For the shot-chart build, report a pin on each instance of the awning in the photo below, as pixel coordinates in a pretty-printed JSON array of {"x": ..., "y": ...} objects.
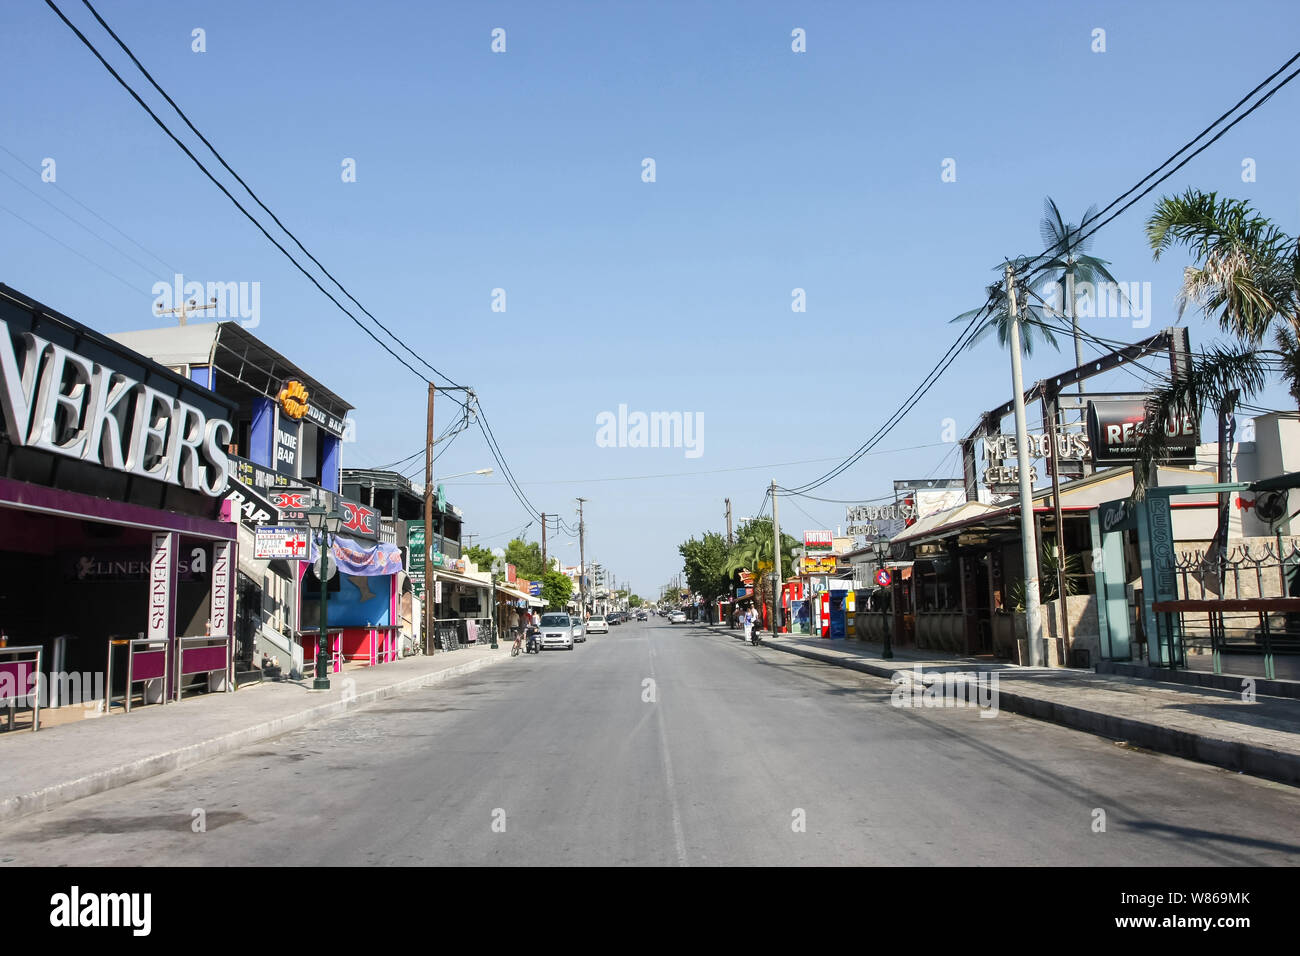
[
  {"x": 512, "y": 593},
  {"x": 455, "y": 578},
  {"x": 535, "y": 601}
]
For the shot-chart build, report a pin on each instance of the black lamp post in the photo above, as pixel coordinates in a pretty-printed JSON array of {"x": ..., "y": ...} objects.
[
  {"x": 882, "y": 552},
  {"x": 326, "y": 524}
]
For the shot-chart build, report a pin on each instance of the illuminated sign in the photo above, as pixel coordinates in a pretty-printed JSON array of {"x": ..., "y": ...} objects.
[{"x": 293, "y": 399}]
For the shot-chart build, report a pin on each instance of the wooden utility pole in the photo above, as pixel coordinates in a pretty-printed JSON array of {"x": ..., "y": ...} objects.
[
  {"x": 543, "y": 544},
  {"x": 429, "y": 644},
  {"x": 582, "y": 560}
]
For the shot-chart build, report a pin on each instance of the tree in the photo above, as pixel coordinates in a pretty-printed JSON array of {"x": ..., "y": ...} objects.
[
  {"x": 996, "y": 311},
  {"x": 1246, "y": 276},
  {"x": 706, "y": 565},
  {"x": 557, "y": 588},
  {"x": 635, "y": 601},
  {"x": 526, "y": 556},
  {"x": 480, "y": 556},
  {"x": 1070, "y": 263},
  {"x": 753, "y": 551}
]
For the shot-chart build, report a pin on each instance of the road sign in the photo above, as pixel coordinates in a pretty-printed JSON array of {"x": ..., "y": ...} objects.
[
  {"x": 280, "y": 541},
  {"x": 884, "y": 578}
]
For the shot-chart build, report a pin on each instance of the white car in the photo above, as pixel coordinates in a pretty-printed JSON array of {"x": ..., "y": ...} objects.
[
  {"x": 677, "y": 617},
  {"x": 598, "y": 625},
  {"x": 557, "y": 631}
]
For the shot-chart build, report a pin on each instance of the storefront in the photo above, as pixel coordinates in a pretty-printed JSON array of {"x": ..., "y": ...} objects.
[
  {"x": 112, "y": 475},
  {"x": 362, "y": 597}
]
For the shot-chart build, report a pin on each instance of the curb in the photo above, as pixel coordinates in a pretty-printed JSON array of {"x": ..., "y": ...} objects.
[
  {"x": 47, "y": 798},
  {"x": 1228, "y": 754}
]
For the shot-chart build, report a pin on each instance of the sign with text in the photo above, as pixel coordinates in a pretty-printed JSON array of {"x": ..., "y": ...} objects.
[
  {"x": 281, "y": 542},
  {"x": 818, "y": 540},
  {"x": 223, "y": 580},
  {"x": 1116, "y": 427},
  {"x": 160, "y": 586}
]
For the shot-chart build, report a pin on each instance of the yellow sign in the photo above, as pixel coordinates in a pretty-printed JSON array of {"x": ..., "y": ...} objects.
[
  {"x": 822, "y": 564},
  {"x": 293, "y": 399}
]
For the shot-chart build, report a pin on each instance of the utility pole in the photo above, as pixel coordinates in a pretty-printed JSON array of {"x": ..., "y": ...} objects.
[
  {"x": 776, "y": 564},
  {"x": 729, "y": 540},
  {"x": 429, "y": 644},
  {"x": 543, "y": 543},
  {"x": 582, "y": 560},
  {"x": 1028, "y": 537},
  {"x": 183, "y": 310}
]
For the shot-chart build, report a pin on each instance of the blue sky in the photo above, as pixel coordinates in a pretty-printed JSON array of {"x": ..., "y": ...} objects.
[{"x": 522, "y": 171}]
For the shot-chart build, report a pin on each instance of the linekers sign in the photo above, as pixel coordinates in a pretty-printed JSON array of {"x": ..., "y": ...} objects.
[{"x": 55, "y": 400}]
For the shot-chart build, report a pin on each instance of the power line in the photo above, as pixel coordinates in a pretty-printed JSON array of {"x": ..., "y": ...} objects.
[
  {"x": 75, "y": 252},
  {"x": 262, "y": 229},
  {"x": 146, "y": 251},
  {"x": 221, "y": 159}
]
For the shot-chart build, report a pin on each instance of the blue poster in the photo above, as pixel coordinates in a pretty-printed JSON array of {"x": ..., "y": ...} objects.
[{"x": 838, "y": 617}]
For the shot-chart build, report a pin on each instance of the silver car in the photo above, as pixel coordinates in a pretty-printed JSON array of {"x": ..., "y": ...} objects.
[
  {"x": 557, "y": 631},
  {"x": 579, "y": 629}
]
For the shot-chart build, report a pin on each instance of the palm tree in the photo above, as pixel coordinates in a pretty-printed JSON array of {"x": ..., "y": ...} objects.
[
  {"x": 753, "y": 549},
  {"x": 996, "y": 311},
  {"x": 1247, "y": 274},
  {"x": 1247, "y": 277},
  {"x": 1070, "y": 263}
]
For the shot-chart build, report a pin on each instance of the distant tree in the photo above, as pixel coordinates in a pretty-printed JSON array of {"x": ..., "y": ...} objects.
[
  {"x": 526, "y": 556},
  {"x": 480, "y": 556},
  {"x": 706, "y": 565},
  {"x": 557, "y": 588}
]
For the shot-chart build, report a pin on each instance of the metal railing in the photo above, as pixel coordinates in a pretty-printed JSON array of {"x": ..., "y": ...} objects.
[
  {"x": 20, "y": 680},
  {"x": 1258, "y": 626},
  {"x": 146, "y": 661}
]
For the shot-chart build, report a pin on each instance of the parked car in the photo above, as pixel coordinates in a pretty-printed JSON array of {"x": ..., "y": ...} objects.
[
  {"x": 598, "y": 625},
  {"x": 613, "y": 618},
  {"x": 579, "y": 629},
  {"x": 677, "y": 617},
  {"x": 642, "y": 616},
  {"x": 557, "y": 631}
]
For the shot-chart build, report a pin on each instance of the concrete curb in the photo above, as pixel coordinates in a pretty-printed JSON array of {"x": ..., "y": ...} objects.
[
  {"x": 48, "y": 798},
  {"x": 1228, "y": 754}
]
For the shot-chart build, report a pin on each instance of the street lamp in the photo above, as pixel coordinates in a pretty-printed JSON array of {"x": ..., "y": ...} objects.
[
  {"x": 498, "y": 570},
  {"x": 326, "y": 524},
  {"x": 882, "y": 552},
  {"x": 464, "y": 474}
]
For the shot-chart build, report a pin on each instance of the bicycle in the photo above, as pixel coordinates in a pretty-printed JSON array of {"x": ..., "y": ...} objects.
[{"x": 519, "y": 642}]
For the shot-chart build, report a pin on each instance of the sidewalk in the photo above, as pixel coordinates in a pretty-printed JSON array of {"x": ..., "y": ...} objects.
[
  {"x": 54, "y": 766},
  {"x": 1210, "y": 724}
]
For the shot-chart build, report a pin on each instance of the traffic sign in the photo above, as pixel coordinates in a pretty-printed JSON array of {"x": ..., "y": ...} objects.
[{"x": 884, "y": 578}]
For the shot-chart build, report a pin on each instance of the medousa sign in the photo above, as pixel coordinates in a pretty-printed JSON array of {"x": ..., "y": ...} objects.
[{"x": 55, "y": 400}]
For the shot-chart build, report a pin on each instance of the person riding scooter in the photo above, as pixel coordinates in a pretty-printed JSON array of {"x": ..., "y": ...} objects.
[{"x": 533, "y": 639}]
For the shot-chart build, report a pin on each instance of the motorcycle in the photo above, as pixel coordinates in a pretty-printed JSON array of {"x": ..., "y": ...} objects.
[{"x": 533, "y": 640}]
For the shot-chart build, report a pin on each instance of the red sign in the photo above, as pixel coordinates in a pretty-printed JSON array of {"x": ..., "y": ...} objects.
[
  {"x": 359, "y": 518},
  {"x": 818, "y": 540},
  {"x": 290, "y": 499},
  {"x": 884, "y": 578}
]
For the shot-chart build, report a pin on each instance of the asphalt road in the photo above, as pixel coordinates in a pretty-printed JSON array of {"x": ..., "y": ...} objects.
[{"x": 563, "y": 759}]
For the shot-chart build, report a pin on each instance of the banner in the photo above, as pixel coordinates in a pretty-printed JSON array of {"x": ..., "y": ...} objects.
[
  {"x": 362, "y": 560},
  {"x": 821, "y": 564}
]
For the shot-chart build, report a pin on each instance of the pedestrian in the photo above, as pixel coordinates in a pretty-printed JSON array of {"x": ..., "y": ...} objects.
[{"x": 749, "y": 625}]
